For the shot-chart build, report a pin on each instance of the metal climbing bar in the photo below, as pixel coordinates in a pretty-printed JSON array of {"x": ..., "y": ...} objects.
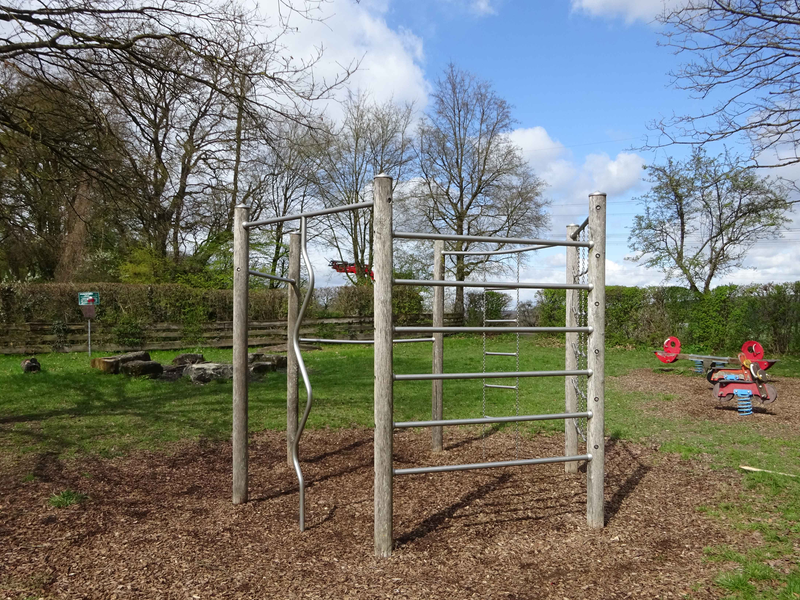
[
  {"x": 482, "y": 420},
  {"x": 365, "y": 342},
  {"x": 501, "y": 354},
  {"x": 427, "y": 329},
  {"x": 492, "y": 375},
  {"x": 574, "y": 235},
  {"x": 311, "y": 213},
  {"x": 273, "y": 277},
  {"x": 501, "y": 285},
  {"x": 500, "y": 387},
  {"x": 407, "y": 235},
  {"x": 495, "y": 252},
  {"x": 492, "y": 465}
]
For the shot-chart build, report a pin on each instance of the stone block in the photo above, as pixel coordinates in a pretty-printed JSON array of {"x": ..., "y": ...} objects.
[
  {"x": 207, "y": 372},
  {"x": 188, "y": 359}
]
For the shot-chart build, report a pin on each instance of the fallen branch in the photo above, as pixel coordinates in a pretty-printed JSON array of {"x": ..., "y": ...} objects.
[{"x": 746, "y": 468}]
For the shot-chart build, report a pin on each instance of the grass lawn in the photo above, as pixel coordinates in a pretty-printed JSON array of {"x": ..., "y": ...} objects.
[{"x": 70, "y": 409}]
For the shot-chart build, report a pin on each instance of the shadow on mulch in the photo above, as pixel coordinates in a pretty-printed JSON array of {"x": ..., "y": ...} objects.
[{"x": 160, "y": 525}]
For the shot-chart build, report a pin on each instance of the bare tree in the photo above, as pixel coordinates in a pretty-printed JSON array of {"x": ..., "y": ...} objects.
[
  {"x": 372, "y": 138},
  {"x": 474, "y": 180},
  {"x": 744, "y": 57},
  {"x": 703, "y": 215}
]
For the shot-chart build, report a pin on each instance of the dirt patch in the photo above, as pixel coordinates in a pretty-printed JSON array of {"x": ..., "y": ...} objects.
[
  {"x": 161, "y": 525},
  {"x": 690, "y": 396}
]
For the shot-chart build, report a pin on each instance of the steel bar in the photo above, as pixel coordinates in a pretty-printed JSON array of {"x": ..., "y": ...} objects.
[
  {"x": 580, "y": 228},
  {"x": 500, "y": 285},
  {"x": 500, "y": 321},
  {"x": 311, "y": 213},
  {"x": 274, "y": 277},
  {"x": 500, "y": 387},
  {"x": 365, "y": 342},
  {"x": 492, "y": 465},
  {"x": 491, "y": 375},
  {"x": 427, "y": 329},
  {"x": 407, "y": 235},
  {"x": 501, "y": 354},
  {"x": 301, "y": 364},
  {"x": 483, "y": 420},
  {"x": 437, "y": 355},
  {"x": 495, "y": 252}
]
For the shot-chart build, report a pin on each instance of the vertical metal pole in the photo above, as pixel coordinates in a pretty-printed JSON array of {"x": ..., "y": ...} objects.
[
  {"x": 571, "y": 360},
  {"x": 438, "y": 345},
  {"x": 241, "y": 262},
  {"x": 90, "y": 338},
  {"x": 292, "y": 393},
  {"x": 383, "y": 394},
  {"x": 595, "y": 441}
]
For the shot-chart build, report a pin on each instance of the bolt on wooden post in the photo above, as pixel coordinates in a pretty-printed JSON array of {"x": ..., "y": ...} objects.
[
  {"x": 595, "y": 427},
  {"x": 383, "y": 269},
  {"x": 292, "y": 391},
  {"x": 571, "y": 360},
  {"x": 241, "y": 273}
]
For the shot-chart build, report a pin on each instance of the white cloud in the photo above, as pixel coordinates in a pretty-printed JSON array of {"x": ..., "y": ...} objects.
[{"x": 629, "y": 10}]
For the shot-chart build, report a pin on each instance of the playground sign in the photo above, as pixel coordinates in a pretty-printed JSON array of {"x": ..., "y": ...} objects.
[{"x": 88, "y": 298}]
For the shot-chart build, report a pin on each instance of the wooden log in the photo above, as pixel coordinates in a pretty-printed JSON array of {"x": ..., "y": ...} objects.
[
  {"x": 241, "y": 265},
  {"x": 571, "y": 360},
  {"x": 292, "y": 390}
]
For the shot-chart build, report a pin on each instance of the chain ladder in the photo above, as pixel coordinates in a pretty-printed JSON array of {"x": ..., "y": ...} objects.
[{"x": 581, "y": 313}]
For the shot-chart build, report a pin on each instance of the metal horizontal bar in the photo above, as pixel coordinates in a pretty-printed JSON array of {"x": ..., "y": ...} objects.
[
  {"x": 491, "y": 465},
  {"x": 495, "y": 252},
  {"x": 268, "y": 276},
  {"x": 424, "y": 329},
  {"x": 481, "y": 421},
  {"x": 583, "y": 225},
  {"x": 500, "y": 353},
  {"x": 490, "y": 375},
  {"x": 311, "y": 213},
  {"x": 500, "y": 285},
  {"x": 328, "y": 341},
  {"x": 500, "y": 387},
  {"x": 500, "y": 321},
  {"x": 407, "y": 235}
]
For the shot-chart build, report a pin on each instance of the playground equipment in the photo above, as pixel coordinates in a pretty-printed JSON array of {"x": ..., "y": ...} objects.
[
  {"x": 744, "y": 383},
  {"x": 589, "y": 284},
  {"x": 341, "y": 266}
]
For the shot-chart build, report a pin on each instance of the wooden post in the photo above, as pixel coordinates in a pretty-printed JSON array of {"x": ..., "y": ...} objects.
[
  {"x": 438, "y": 346},
  {"x": 241, "y": 268},
  {"x": 595, "y": 440},
  {"x": 384, "y": 427},
  {"x": 571, "y": 360},
  {"x": 292, "y": 394}
]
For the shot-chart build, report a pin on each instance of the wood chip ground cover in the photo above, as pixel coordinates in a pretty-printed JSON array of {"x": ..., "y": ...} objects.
[{"x": 161, "y": 524}]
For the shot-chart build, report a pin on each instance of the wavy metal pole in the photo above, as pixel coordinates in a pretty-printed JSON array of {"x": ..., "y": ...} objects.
[{"x": 301, "y": 365}]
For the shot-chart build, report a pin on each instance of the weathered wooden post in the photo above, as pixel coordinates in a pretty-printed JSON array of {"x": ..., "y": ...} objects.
[
  {"x": 571, "y": 362},
  {"x": 292, "y": 393},
  {"x": 383, "y": 269},
  {"x": 241, "y": 272},
  {"x": 595, "y": 441},
  {"x": 438, "y": 346}
]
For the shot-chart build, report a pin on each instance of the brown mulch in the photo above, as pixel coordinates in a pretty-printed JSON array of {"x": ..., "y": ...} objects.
[
  {"x": 161, "y": 524},
  {"x": 691, "y": 396}
]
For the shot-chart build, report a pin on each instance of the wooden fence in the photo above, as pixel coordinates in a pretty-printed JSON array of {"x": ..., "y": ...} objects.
[{"x": 42, "y": 337}]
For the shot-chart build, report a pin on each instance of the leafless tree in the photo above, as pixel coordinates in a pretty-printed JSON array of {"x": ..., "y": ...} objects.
[
  {"x": 372, "y": 138},
  {"x": 474, "y": 180},
  {"x": 744, "y": 57},
  {"x": 703, "y": 215}
]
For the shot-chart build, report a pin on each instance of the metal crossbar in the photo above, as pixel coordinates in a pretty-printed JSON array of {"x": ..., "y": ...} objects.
[
  {"x": 407, "y": 235},
  {"x": 426, "y": 329},
  {"x": 495, "y": 252},
  {"x": 500, "y": 321},
  {"x": 500, "y": 285},
  {"x": 493, "y": 375},
  {"x": 481, "y": 421},
  {"x": 269, "y": 276},
  {"x": 331, "y": 341},
  {"x": 311, "y": 213},
  {"x": 580, "y": 229},
  {"x": 491, "y": 465},
  {"x": 500, "y": 387},
  {"x": 501, "y": 354}
]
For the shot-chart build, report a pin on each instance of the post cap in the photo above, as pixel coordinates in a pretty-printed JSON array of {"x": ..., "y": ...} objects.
[
  {"x": 598, "y": 194},
  {"x": 383, "y": 175}
]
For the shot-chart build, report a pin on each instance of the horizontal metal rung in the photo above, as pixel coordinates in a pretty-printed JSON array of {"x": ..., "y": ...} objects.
[
  {"x": 481, "y": 421},
  {"x": 492, "y": 375},
  {"x": 500, "y": 387},
  {"x": 500, "y": 321},
  {"x": 492, "y": 465},
  {"x": 312, "y": 213},
  {"x": 499, "y": 285},
  {"x": 406, "y": 235},
  {"x": 423, "y": 329},
  {"x": 270, "y": 276},
  {"x": 365, "y": 342},
  {"x": 501, "y": 354}
]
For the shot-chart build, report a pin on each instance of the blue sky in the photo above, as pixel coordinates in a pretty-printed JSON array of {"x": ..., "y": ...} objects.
[{"x": 585, "y": 78}]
